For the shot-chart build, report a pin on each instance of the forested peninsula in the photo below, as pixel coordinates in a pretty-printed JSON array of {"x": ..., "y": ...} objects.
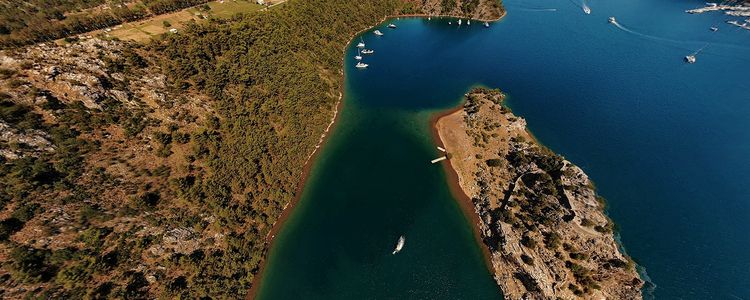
[{"x": 157, "y": 170}]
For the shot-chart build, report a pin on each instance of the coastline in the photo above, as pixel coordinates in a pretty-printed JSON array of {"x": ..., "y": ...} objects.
[
  {"x": 464, "y": 201},
  {"x": 539, "y": 280},
  {"x": 312, "y": 158}
]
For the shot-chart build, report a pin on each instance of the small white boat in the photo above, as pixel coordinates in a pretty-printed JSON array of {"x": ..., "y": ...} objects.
[
  {"x": 612, "y": 20},
  {"x": 468, "y": 22},
  {"x": 587, "y": 10},
  {"x": 359, "y": 56},
  {"x": 361, "y": 44},
  {"x": 450, "y": 23},
  {"x": 361, "y": 65},
  {"x": 391, "y": 25},
  {"x": 486, "y": 24},
  {"x": 367, "y": 51},
  {"x": 399, "y": 245},
  {"x": 459, "y": 22},
  {"x": 690, "y": 59},
  {"x": 378, "y": 33},
  {"x": 714, "y": 28}
]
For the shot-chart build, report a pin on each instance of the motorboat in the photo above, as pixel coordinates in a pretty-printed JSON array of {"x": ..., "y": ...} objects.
[
  {"x": 378, "y": 33},
  {"x": 690, "y": 59},
  {"x": 361, "y": 65},
  {"x": 368, "y": 51},
  {"x": 612, "y": 20},
  {"x": 391, "y": 25},
  {"x": 399, "y": 245}
]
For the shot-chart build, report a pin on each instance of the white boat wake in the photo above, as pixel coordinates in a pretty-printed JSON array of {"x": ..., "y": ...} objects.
[
  {"x": 675, "y": 43},
  {"x": 540, "y": 9}
]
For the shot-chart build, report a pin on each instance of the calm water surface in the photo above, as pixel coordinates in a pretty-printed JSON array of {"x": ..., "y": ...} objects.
[{"x": 666, "y": 142}]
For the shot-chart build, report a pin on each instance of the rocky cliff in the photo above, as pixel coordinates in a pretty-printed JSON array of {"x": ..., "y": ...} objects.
[
  {"x": 475, "y": 9},
  {"x": 540, "y": 215}
]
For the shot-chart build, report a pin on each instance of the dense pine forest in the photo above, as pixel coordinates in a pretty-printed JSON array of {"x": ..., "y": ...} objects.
[{"x": 157, "y": 171}]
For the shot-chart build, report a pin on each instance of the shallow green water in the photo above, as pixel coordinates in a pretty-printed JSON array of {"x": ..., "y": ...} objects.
[{"x": 373, "y": 183}]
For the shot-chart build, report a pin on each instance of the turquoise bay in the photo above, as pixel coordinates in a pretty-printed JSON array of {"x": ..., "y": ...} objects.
[{"x": 666, "y": 142}]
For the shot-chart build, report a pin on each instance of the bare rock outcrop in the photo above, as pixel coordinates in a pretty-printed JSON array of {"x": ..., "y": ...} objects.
[{"x": 540, "y": 216}]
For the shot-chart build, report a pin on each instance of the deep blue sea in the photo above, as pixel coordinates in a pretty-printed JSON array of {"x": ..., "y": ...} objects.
[{"x": 667, "y": 144}]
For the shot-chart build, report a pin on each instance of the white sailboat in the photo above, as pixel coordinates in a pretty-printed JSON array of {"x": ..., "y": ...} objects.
[
  {"x": 399, "y": 245},
  {"x": 459, "y": 22},
  {"x": 486, "y": 24},
  {"x": 361, "y": 44},
  {"x": 468, "y": 22},
  {"x": 359, "y": 56}
]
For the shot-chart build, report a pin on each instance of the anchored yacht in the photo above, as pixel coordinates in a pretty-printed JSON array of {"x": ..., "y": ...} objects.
[
  {"x": 361, "y": 44},
  {"x": 367, "y": 51},
  {"x": 359, "y": 56},
  {"x": 399, "y": 245},
  {"x": 361, "y": 65},
  {"x": 486, "y": 24},
  {"x": 378, "y": 33},
  {"x": 459, "y": 22},
  {"x": 391, "y": 25},
  {"x": 690, "y": 59}
]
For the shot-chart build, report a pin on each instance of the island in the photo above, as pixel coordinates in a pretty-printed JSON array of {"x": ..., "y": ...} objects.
[{"x": 539, "y": 215}]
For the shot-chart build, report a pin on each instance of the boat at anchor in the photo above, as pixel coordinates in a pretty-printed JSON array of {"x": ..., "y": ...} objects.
[{"x": 399, "y": 245}]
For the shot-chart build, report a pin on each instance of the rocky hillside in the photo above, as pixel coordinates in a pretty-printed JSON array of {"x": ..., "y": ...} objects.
[
  {"x": 476, "y": 9},
  {"x": 540, "y": 216},
  {"x": 93, "y": 139}
]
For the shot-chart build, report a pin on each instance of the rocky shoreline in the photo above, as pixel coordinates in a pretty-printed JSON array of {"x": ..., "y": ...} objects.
[{"x": 540, "y": 217}]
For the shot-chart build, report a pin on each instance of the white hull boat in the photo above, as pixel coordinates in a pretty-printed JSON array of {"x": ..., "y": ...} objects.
[{"x": 399, "y": 245}]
